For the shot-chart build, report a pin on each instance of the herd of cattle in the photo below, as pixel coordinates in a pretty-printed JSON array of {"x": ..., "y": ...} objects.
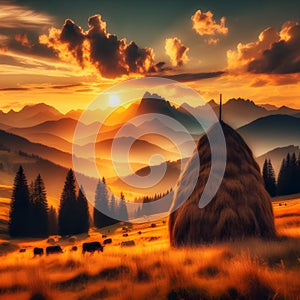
[{"x": 90, "y": 247}]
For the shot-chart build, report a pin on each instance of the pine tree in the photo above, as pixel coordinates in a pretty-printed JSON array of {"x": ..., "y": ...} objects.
[
  {"x": 66, "y": 217},
  {"x": 287, "y": 178},
  {"x": 282, "y": 178},
  {"x": 39, "y": 209},
  {"x": 272, "y": 180},
  {"x": 101, "y": 207},
  {"x": 269, "y": 178},
  {"x": 293, "y": 174},
  {"x": 83, "y": 212},
  {"x": 123, "y": 213},
  {"x": 19, "y": 217},
  {"x": 112, "y": 205},
  {"x": 53, "y": 222}
]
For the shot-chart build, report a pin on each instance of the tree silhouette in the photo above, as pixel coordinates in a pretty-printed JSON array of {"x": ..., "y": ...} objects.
[
  {"x": 288, "y": 178},
  {"x": 112, "y": 205},
  {"x": 101, "y": 207},
  {"x": 269, "y": 178},
  {"x": 19, "y": 217},
  {"x": 39, "y": 209},
  {"x": 83, "y": 212},
  {"x": 68, "y": 207},
  {"x": 123, "y": 213},
  {"x": 53, "y": 222}
]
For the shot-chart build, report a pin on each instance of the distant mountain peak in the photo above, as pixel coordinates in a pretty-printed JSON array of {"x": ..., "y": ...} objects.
[
  {"x": 148, "y": 95},
  {"x": 153, "y": 103},
  {"x": 241, "y": 101}
]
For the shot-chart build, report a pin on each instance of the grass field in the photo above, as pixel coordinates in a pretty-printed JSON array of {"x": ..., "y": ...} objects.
[{"x": 249, "y": 269}]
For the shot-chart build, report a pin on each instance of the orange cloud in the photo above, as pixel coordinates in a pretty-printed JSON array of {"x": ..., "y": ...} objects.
[
  {"x": 23, "y": 40},
  {"x": 100, "y": 50},
  {"x": 204, "y": 24},
  {"x": 273, "y": 52},
  {"x": 212, "y": 41},
  {"x": 176, "y": 51}
]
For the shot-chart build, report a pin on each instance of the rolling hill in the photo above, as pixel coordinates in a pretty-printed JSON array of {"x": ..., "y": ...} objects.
[
  {"x": 52, "y": 174},
  {"x": 267, "y": 133},
  {"x": 16, "y": 143}
]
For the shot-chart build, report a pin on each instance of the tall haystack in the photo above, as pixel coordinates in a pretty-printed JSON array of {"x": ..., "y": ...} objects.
[{"x": 241, "y": 207}]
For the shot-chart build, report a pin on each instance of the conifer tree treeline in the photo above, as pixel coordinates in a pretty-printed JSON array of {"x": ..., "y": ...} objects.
[
  {"x": 104, "y": 207},
  {"x": 29, "y": 208},
  {"x": 73, "y": 215},
  {"x": 288, "y": 181},
  {"x": 269, "y": 178},
  {"x": 31, "y": 217},
  {"x": 289, "y": 175}
]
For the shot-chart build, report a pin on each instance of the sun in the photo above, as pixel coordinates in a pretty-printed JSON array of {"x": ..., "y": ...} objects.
[{"x": 114, "y": 100}]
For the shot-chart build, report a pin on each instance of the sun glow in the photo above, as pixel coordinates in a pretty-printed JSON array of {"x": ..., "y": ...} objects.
[{"x": 114, "y": 100}]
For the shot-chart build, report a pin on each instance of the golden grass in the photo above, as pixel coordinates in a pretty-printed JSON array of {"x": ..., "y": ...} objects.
[{"x": 251, "y": 269}]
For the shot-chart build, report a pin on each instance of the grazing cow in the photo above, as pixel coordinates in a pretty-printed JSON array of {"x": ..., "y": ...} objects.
[
  {"x": 125, "y": 234},
  {"x": 139, "y": 232},
  {"x": 74, "y": 248},
  {"x": 104, "y": 236},
  {"x": 128, "y": 243},
  {"x": 38, "y": 251},
  {"x": 91, "y": 247},
  {"x": 107, "y": 241},
  {"x": 53, "y": 249},
  {"x": 153, "y": 225},
  {"x": 22, "y": 250},
  {"x": 124, "y": 228}
]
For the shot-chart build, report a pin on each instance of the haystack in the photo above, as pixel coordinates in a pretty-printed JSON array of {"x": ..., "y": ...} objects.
[{"x": 241, "y": 207}]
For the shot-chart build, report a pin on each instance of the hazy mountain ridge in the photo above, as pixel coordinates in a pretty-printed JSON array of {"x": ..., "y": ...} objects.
[{"x": 267, "y": 133}]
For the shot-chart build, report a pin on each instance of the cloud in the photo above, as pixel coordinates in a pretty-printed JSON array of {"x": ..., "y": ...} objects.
[
  {"x": 23, "y": 39},
  {"x": 212, "y": 41},
  {"x": 16, "y": 16},
  {"x": 204, "y": 24},
  {"x": 273, "y": 53},
  {"x": 95, "y": 48},
  {"x": 186, "y": 77},
  {"x": 176, "y": 51}
]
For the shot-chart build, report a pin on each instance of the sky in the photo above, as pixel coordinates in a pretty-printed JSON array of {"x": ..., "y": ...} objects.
[{"x": 64, "y": 53}]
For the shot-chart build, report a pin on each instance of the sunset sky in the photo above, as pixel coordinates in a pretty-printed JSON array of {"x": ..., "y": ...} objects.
[{"x": 66, "y": 52}]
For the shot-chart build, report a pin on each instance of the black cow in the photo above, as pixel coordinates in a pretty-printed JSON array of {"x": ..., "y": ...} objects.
[
  {"x": 38, "y": 251},
  {"x": 125, "y": 234},
  {"x": 22, "y": 250},
  {"x": 104, "y": 236},
  {"x": 74, "y": 248},
  {"x": 53, "y": 249},
  {"x": 92, "y": 247},
  {"x": 107, "y": 241},
  {"x": 139, "y": 232}
]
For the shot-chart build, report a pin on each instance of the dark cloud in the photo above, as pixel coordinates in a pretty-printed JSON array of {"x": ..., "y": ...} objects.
[
  {"x": 283, "y": 57},
  {"x": 112, "y": 57},
  {"x": 73, "y": 35},
  {"x": 273, "y": 53},
  {"x": 13, "y": 89},
  {"x": 185, "y": 77}
]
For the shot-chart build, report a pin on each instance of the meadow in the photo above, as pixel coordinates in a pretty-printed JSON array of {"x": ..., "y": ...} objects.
[{"x": 249, "y": 269}]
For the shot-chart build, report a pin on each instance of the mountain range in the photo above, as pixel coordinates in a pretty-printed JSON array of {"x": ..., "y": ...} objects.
[{"x": 46, "y": 133}]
